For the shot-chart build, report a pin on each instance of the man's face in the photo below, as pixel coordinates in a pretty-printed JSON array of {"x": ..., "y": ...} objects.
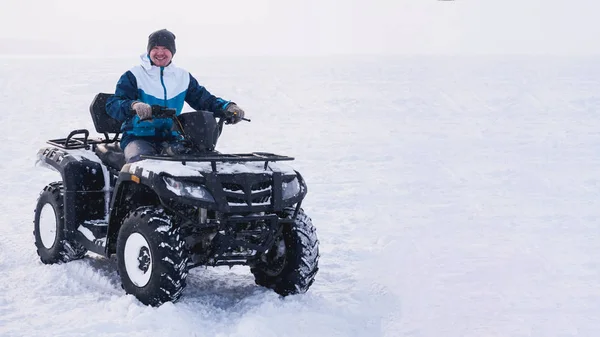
[{"x": 160, "y": 56}]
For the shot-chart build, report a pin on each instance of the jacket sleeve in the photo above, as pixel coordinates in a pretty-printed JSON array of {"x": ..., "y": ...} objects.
[
  {"x": 200, "y": 99},
  {"x": 118, "y": 105}
]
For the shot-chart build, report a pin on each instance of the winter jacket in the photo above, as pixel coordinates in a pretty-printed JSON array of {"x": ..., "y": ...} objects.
[{"x": 168, "y": 86}]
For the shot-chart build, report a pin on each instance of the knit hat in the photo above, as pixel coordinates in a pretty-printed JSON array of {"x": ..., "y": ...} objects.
[{"x": 162, "y": 38}]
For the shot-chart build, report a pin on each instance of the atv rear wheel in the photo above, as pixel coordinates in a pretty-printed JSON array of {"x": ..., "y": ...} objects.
[
  {"x": 49, "y": 230},
  {"x": 151, "y": 257},
  {"x": 290, "y": 266}
]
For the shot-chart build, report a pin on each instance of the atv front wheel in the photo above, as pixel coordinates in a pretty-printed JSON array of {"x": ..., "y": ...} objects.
[
  {"x": 152, "y": 262},
  {"x": 51, "y": 240},
  {"x": 290, "y": 266}
]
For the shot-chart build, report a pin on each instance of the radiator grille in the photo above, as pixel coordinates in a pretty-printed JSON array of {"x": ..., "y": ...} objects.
[{"x": 257, "y": 194}]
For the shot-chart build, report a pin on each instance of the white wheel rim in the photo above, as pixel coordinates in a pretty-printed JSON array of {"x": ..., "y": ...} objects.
[
  {"x": 47, "y": 226},
  {"x": 138, "y": 259}
]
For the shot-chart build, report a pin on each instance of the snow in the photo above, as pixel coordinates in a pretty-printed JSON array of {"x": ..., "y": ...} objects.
[
  {"x": 452, "y": 196},
  {"x": 195, "y": 169},
  {"x": 88, "y": 233},
  {"x": 158, "y": 166},
  {"x": 100, "y": 223}
]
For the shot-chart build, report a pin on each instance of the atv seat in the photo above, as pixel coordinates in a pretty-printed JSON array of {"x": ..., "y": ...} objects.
[
  {"x": 109, "y": 151},
  {"x": 111, "y": 155}
]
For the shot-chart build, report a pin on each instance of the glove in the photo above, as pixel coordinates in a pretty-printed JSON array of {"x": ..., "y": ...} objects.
[
  {"x": 143, "y": 110},
  {"x": 234, "y": 114}
]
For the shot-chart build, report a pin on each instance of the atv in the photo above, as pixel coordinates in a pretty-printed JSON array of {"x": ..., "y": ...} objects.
[{"x": 170, "y": 212}]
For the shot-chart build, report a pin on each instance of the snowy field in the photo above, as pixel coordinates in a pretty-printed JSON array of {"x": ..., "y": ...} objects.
[{"x": 452, "y": 197}]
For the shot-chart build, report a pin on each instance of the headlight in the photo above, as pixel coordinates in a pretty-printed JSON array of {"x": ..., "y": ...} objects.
[
  {"x": 290, "y": 189},
  {"x": 188, "y": 189}
]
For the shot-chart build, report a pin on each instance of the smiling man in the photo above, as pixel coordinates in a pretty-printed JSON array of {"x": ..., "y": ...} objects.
[{"x": 157, "y": 81}]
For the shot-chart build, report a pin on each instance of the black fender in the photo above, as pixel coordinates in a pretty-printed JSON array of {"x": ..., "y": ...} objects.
[
  {"x": 131, "y": 191},
  {"x": 83, "y": 182}
]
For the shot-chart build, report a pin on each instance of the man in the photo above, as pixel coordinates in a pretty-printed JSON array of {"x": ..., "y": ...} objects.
[{"x": 157, "y": 81}]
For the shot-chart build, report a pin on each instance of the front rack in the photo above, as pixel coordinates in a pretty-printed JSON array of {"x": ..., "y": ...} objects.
[{"x": 213, "y": 158}]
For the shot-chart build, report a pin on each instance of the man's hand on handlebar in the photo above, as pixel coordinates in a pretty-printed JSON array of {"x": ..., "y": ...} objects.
[
  {"x": 233, "y": 114},
  {"x": 143, "y": 110},
  {"x": 148, "y": 112}
]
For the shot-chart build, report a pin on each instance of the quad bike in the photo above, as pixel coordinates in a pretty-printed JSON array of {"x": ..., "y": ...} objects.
[{"x": 168, "y": 213}]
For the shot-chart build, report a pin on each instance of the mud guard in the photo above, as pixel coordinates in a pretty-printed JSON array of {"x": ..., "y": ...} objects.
[{"x": 84, "y": 188}]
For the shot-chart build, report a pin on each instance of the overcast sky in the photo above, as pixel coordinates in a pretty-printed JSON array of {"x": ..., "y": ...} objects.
[{"x": 321, "y": 27}]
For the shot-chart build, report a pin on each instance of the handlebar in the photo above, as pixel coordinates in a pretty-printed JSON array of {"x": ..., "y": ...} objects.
[
  {"x": 178, "y": 122},
  {"x": 158, "y": 112},
  {"x": 163, "y": 112},
  {"x": 230, "y": 117}
]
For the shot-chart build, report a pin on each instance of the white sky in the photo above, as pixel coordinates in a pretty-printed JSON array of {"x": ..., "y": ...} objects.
[{"x": 208, "y": 27}]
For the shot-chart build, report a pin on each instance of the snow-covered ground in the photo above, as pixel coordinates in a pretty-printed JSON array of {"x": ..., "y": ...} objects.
[{"x": 452, "y": 196}]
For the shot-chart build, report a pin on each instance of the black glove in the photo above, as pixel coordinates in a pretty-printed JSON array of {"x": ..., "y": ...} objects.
[
  {"x": 233, "y": 114},
  {"x": 143, "y": 110}
]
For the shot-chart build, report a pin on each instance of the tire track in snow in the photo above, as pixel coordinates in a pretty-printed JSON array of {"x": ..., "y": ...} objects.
[
  {"x": 219, "y": 288},
  {"x": 97, "y": 274}
]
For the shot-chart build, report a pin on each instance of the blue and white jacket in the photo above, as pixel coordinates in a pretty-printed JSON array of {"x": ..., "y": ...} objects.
[{"x": 168, "y": 86}]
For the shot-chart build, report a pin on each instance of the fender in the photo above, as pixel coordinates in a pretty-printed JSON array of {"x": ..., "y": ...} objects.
[
  {"x": 83, "y": 183},
  {"x": 130, "y": 192}
]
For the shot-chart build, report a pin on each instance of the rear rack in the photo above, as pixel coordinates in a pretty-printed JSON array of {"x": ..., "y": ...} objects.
[
  {"x": 81, "y": 142},
  {"x": 213, "y": 158}
]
